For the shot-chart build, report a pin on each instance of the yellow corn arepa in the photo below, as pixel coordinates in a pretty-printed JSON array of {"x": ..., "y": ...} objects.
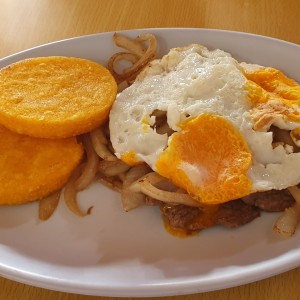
[
  {"x": 55, "y": 97},
  {"x": 45, "y": 103},
  {"x": 32, "y": 168}
]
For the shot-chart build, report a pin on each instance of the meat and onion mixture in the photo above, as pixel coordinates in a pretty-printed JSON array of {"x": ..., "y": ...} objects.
[{"x": 231, "y": 214}]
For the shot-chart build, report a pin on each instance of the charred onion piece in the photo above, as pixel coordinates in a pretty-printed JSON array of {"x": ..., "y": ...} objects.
[
  {"x": 48, "y": 205},
  {"x": 132, "y": 45},
  {"x": 138, "y": 56}
]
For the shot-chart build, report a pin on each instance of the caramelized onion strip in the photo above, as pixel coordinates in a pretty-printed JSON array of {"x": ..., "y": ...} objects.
[
  {"x": 150, "y": 54},
  {"x": 295, "y": 192},
  {"x": 122, "y": 86},
  {"x": 100, "y": 145},
  {"x": 147, "y": 186},
  {"x": 112, "y": 64},
  {"x": 70, "y": 193},
  {"x": 48, "y": 205},
  {"x": 131, "y": 199},
  {"x": 287, "y": 223},
  {"x": 90, "y": 168},
  {"x": 132, "y": 45},
  {"x": 112, "y": 168},
  {"x": 137, "y": 55}
]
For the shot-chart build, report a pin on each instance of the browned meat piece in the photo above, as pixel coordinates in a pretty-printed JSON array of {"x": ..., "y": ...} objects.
[
  {"x": 271, "y": 201},
  {"x": 181, "y": 216},
  {"x": 231, "y": 214},
  {"x": 236, "y": 213}
]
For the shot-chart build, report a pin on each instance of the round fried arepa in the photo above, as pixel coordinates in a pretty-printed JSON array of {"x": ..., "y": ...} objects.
[
  {"x": 55, "y": 97},
  {"x": 44, "y": 104},
  {"x": 31, "y": 168}
]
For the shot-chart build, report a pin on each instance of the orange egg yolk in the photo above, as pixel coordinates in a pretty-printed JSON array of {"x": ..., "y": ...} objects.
[
  {"x": 274, "y": 81},
  {"x": 131, "y": 159},
  {"x": 208, "y": 158},
  {"x": 265, "y": 84}
]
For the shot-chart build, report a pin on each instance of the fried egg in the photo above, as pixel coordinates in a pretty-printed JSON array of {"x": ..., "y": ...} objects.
[{"x": 203, "y": 120}]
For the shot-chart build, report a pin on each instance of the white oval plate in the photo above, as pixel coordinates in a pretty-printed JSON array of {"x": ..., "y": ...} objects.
[{"x": 113, "y": 253}]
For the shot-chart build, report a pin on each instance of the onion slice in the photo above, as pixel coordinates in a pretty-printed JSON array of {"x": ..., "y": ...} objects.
[
  {"x": 287, "y": 223},
  {"x": 131, "y": 45},
  {"x": 90, "y": 167},
  {"x": 115, "y": 59},
  {"x": 138, "y": 55},
  {"x": 48, "y": 205},
  {"x": 147, "y": 186},
  {"x": 100, "y": 144},
  {"x": 112, "y": 168},
  {"x": 70, "y": 194},
  {"x": 131, "y": 199}
]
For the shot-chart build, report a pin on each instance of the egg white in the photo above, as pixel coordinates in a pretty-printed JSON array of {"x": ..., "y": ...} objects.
[{"x": 188, "y": 82}]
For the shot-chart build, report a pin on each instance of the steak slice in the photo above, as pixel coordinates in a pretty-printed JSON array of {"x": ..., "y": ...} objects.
[
  {"x": 271, "y": 201},
  {"x": 232, "y": 214},
  {"x": 236, "y": 213},
  {"x": 182, "y": 216}
]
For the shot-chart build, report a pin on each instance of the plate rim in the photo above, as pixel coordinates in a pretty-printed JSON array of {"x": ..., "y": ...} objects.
[
  {"x": 235, "y": 32},
  {"x": 145, "y": 290}
]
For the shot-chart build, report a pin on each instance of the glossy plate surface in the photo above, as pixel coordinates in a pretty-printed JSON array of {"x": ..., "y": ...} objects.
[{"x": 113, "y": 253}]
